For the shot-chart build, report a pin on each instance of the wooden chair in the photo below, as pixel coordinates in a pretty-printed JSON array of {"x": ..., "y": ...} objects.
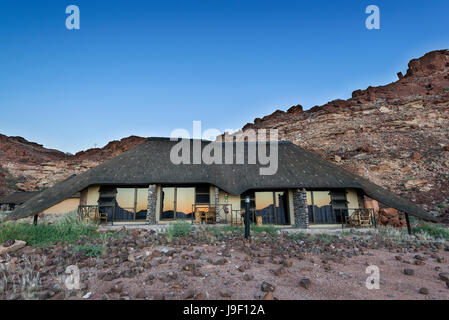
[
  {"x": 236, "y": 218},
  {"x": 365, "y": 218},
  {"x": 210, "y": 215},
  {"x": 103, "y": 217},
  {"x": 199, "y": 214},
  {"x": 92, "y": 215},
  {"x": 353, "y": 220}
]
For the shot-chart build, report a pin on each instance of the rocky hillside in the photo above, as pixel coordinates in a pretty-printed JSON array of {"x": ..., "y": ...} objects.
[
  {"x": 396, "y": 135},
  {"x": 29, "y": 166}
]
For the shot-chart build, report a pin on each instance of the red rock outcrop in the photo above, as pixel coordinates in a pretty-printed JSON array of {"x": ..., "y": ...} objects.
[
  {"x": 395, "y": 135},
  {"x": 17, "y": 149},
  {"x": 112, "y": 149},
  {"x": 29, "y": 166},
  {"x": 390, "y": 217}
]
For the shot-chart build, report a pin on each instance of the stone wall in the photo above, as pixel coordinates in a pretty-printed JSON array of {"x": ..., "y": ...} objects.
[
  {"x": 300, "y": 209},
  {"x": 152, "y": 197},
  {"x": 217, "y": 201}
]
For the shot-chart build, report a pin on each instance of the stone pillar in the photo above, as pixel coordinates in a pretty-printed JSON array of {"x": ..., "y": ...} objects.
[
  {"x": 216, "y": 201},
  {"x": 300, "y": 209},
  {"x": 152, "y": 198}
]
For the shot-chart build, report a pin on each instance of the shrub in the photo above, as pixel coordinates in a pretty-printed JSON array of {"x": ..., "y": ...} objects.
[
  {"x": 324, "y": 237},
  {"x": 240, "y": 230},
  {"x": 12, "y": 182},
  {"x": 92, "y": 250},
  {"x": 179, "y": 229},
  {"x": 23, "y": 280},
  {"x": 270, "y": 229},
  {"x": 299, "y": 236},
  {"x": 219, "y": 230},
  {"x": 435, "y": 231},
  {"x": 69, "y": 228}
]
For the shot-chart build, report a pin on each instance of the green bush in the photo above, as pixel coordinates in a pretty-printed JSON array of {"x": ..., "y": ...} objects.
[
  {"x": 92, "y": 250},
  {"x": 299, "y": 236},
  {"x": 270, "y": 229},
  {"x": 179, "y": 229},
  {"x": 435, "y": 231},
  {"x": 70, "y": 228},
  {"x": 218, "y": 230},
  {"x": 240, "y": 230},
  {"x": 12, "y": 182},
  {"x": 323, "y": 237}
]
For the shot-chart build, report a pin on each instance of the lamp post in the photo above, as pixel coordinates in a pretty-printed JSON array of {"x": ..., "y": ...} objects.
[{"x": 247, "y": 221}]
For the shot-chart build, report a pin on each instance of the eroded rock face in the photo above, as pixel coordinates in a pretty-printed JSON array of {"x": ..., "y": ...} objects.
[
  {"x": 395, "y": 135},
  {"x": 29, "y": 166},
  {"x": 435, "y": 61}
]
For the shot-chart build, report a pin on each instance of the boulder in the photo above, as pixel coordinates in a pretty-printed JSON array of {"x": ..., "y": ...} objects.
[
  {"x": 305, "y": 283},
  {"x": 295, "y": 109},
  {"x": 17, "y": 245},
  {"x": 415, "y": 183},
  {"x": 267, "y": 287}
]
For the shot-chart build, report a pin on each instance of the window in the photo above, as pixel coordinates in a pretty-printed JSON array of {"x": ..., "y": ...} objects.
[
  {"x": 185, "y": 198},
  {"x": 321, "y": 207},
  {"x": 131, "y": 204},
  {"x": 270, "y": 205},
  {"x": 177, "y": 203},
  {"x": 168, "y": 204},
  {"x": 202, "y": 195}
]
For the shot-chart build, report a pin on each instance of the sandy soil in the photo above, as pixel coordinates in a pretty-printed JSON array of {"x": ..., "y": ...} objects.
[
  {"x": 329, "y": 280},
  {"x": 143, "y": 265}
]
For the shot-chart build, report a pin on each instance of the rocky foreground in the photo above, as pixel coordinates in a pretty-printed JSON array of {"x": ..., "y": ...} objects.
[{"x": 143, "y": 264}]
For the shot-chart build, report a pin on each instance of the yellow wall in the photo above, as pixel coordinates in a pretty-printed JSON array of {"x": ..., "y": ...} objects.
[
  {"x": 290, "y": 207},
  {"x": 351, "y": 196},
  {"x": 93, "y": 193},
  {"x": 158, "y": 202},
  {"x": 65, "y": 206},
  {"x": 232, "y": 200},
  {"x": 212, "y": 194}
]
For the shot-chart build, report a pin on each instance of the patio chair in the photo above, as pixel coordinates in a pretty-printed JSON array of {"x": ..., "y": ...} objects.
[
  {"x": 210, "y": 216},
  {"x": 365, "y": 218},
  {"x": 353, "y": 220},
  {"x": 236, "y": 218},
  {"x": 103, "y": 218},
  {"x": 199, "y": 214}
]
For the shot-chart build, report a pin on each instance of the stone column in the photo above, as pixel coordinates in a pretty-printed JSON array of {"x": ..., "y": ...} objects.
[
  {"x": 300, "y": 209},
  {"x": 152, "y": 198},
  {"x": 216, "y": 201}
]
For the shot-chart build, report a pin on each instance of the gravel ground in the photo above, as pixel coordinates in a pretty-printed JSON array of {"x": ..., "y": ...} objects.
[{"x": 144, "y": 265}]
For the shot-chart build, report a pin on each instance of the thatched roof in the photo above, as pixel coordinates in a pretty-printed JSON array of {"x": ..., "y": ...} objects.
[
  {"x": 149, "y": 163},
  {"x": 18, "y": 197}
]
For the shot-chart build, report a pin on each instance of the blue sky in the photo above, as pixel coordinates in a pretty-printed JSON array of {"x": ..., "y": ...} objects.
[{"x": 149, "y": 67}]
